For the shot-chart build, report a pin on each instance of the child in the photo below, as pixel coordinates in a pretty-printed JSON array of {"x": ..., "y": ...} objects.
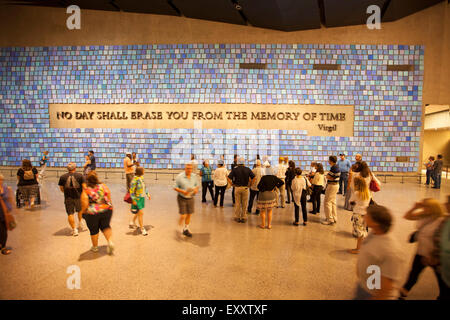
[
  {"x": 138, "y": 191},
  {"x": 360, "y": 200}
]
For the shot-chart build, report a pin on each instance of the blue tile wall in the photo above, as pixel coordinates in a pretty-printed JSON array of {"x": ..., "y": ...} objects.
[{"x": 388, "y": 105}]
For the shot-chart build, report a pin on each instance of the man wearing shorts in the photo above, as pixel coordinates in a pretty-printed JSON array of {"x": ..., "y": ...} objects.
[
  {"x": 186, "y": 185},
  {"x": 72, "y": 184}
]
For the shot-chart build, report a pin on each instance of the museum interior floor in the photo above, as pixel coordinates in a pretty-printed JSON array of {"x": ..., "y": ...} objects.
[{"x": 223, "y": 260}]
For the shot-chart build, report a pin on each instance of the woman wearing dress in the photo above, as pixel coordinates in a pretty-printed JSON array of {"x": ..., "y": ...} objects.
[
  {"x": 360, "y": 200},
  {"x": 267, "y": 198}
]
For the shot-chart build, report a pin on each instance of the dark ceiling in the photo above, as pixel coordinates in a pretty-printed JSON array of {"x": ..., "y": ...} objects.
[{"x": 286, "y": 15}]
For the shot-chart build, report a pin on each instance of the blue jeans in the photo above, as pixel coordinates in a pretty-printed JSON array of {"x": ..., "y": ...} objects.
[
  {"x": 343, "y": 180},
  {"x": 429, "y": 176},
  {"x": 437, "y": 180}
]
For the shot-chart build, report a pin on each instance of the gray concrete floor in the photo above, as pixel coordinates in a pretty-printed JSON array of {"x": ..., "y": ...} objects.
[{"x": 224, "y": 259}]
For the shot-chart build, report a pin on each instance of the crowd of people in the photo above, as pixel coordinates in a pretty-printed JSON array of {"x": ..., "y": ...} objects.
[{"x": 269, "y": 187}]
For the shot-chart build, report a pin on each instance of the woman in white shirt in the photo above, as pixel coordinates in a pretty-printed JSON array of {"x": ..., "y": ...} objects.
[
  {"x": 429, "y": 215},
  {"x": 317, "y": 182},
  {"x": 298, "y": 187},
  {"x": 220, "y": 182},
  {"x": 360, "y": 200}
]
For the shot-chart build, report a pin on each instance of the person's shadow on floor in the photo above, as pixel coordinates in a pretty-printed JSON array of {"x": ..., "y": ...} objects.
[
  {"x": 198, "y": 239},
  {"x": 137, "y": 231},
  {"x": 89, "y": 255},
  {"x": 64, "y": 232}
]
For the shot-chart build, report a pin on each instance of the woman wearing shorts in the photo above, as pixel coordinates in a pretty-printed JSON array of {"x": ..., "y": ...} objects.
[
  {"x": 138, "y": 192},
  {"x": 97, "y": 210}
]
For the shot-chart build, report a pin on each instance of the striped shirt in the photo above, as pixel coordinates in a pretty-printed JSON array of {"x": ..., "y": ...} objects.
[{"x": 334, "y": 174}]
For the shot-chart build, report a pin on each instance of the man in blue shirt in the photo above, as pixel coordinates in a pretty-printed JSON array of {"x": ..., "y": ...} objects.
[
  {"x": 344, "y": 166},
  {"x": 92, "y": 165},
  {"x": 186, "y": 184}
]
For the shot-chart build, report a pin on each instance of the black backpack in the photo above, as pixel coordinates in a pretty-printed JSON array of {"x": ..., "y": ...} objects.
[{"x": 72, "y": 184}]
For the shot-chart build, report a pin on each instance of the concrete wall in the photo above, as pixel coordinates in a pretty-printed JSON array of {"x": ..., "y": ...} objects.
[{"x": 436, "y": 142}]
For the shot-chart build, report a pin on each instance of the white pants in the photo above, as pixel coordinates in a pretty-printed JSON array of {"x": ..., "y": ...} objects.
[
  {"x": 281, "y": 190},
  {"x": 330, "y": 202}
]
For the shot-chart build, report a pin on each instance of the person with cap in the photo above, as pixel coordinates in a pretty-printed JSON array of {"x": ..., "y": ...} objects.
[
  {"x": 281, "y": 174},
  {"x": 267, "y": 197},
  {"x": 344, "y": 166},
  {"x": 129, "y": 167},
  {"x": 220, "y": 182},
  {"x": 72, "y": 184},
  {"x": 254, "y": 187},
  {"x": 186, "y": 185},
  {"x": 241, "y": 178}
]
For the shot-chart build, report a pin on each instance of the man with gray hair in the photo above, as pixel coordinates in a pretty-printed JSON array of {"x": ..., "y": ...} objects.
[
  {"x": 241, "y": 178},
  {"x": 72, "y": 184},
  {"x": 186, "y": 185}
]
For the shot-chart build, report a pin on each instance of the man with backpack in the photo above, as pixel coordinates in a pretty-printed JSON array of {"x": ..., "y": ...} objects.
[{"x": 72, "y": 184}]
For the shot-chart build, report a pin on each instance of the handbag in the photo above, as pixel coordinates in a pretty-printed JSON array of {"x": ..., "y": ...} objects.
[
  {"x": 127, "y": 198},
  {"x": 308, "y": 188},
  {"x": 374, "y": 185}
]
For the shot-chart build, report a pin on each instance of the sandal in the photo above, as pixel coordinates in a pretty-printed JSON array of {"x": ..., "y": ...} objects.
[
  {"x": 296, "y": 224},
  {"x": 353, "y": 251},
  {"x": 6, "y": 251},
  {"x": 260, "y": 226},
  {"x": 269, "y": 227}
]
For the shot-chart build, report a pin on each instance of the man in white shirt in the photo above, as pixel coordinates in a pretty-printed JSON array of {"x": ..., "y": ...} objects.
[{"x": 281, "y": 174}]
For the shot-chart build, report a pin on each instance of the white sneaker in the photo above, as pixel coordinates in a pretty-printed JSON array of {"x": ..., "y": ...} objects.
[
  {"x": 326, "y": 222},
  {"x": 110, "y": 248},
  {"x": 94, "y": 249},
  {"x": 75, "y": 232},
  {"x": 81, "y": 226},
  {"x": 144, "y": 232}
]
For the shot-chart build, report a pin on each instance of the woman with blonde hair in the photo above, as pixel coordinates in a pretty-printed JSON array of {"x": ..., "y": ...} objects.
[
  {"x": 360, "y": 200},
  {"x": 429, "y": 215}
]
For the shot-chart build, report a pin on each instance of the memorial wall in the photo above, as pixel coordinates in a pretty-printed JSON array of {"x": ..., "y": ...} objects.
[{"x": 117, "y": 98}]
